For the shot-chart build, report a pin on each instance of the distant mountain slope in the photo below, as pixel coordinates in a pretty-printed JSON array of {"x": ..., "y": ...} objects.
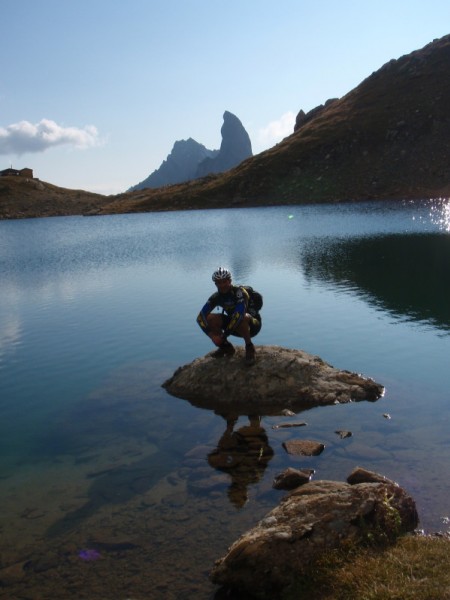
[
  {"x": 387, "y": 138},
  {"x": 190, "y": 160},
  {"x": 24, "y": 198},
  {"x": 180, "y": 165}
]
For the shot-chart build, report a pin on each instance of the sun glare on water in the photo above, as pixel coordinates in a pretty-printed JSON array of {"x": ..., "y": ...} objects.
[{"x": 440, "y": 213}]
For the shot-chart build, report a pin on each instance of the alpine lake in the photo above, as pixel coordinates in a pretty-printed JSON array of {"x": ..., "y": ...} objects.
[{"x": 106, "y": 487}]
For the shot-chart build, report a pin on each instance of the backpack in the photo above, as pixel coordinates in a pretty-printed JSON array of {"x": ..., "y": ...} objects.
[{"x": 256, "y": 300}]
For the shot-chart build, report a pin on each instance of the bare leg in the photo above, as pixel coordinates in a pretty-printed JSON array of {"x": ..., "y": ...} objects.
[
  {"x": 215, "y": 324},
  {"x": 244, "y": 330}
]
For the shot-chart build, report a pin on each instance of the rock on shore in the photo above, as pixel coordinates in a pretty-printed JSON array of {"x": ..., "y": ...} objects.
[
  {"x": 312, "y": 519},
  {"x": 281, "y": 378}
]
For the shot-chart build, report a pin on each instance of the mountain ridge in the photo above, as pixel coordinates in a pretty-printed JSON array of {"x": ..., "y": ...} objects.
[
  {"x": 385, "y": 139},
  {"x": 190, "y": 160},
  {"x": 180, "y": 165}
]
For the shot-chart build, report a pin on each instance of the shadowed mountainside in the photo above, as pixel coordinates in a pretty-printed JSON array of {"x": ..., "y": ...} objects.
[{"x": 386, "y": 139}]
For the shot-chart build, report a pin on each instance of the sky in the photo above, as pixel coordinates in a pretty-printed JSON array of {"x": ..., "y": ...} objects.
[{"x": 94, "y": 93}]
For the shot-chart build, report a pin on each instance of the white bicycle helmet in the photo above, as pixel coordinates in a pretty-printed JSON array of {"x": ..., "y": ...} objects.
[{"x": 220, "y": 274}]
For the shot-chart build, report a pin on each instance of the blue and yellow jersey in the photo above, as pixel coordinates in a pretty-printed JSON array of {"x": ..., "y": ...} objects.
[{"x": 234, "y": 303}]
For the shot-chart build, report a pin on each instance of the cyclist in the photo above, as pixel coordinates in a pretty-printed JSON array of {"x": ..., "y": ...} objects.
[{"x": 234, "y": 319}]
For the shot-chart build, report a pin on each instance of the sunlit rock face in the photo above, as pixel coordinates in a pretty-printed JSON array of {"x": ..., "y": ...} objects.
[
  {"x": 312, "y": 519},
  {"x": 281, "y": 378}
]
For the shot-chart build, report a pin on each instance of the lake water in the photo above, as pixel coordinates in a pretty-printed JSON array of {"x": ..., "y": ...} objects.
[{"x": 106, "y": 485}]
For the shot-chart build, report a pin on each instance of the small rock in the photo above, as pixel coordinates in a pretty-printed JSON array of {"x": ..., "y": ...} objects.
[
  {"x": 287, "y": 413},
  {"x": 285, "y": 425},
  {"x": 303, "y": 447},
  {"x": 360, "y": 475},
  {"x": 343, "y": 434},
  {"x": 291, "y": 478}
]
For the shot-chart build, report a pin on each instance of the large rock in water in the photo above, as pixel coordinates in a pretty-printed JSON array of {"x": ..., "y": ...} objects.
[
  {"x": 311, "y": 520},
  {"x": 281, "y": 378}
]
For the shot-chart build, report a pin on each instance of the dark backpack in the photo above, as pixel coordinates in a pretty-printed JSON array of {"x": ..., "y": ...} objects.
[{"x": 256, "y": 300}]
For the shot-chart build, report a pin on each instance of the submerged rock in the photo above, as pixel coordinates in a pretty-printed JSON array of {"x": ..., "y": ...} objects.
[
  {"x": 342, "y": 433},
  {"x": 312, "y": 519},
  {"x": 281, "y": 378}
]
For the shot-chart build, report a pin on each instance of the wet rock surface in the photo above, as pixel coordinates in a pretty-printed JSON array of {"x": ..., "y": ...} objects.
[
  {"x": 303, "y": 447},
  {"x": 282, "y": 378},
  {"x": 290, "y": 478},
  {"x": 312, "y": 519}
]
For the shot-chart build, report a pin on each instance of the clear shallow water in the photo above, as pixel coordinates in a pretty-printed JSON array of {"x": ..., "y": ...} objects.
[{"x": 96, "y": 313}]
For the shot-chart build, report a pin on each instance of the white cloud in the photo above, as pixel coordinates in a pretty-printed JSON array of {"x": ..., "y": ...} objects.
[
  {"x": 277, "y": 130},
  {"x": 20, "y": 138}
]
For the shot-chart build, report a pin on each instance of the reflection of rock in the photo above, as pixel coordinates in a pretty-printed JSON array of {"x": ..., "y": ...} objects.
[
  {"x": 280, "y": 378},
  {"x": 243, "y": 454},
  {"x": 312, "y": 519}
]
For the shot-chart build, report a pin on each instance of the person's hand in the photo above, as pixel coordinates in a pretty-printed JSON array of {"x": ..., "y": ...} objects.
[{"x": 218, "y": 339}]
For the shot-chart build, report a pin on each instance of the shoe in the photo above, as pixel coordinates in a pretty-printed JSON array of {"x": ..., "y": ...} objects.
[
  {"x": 225, "y": 349},
  {"x": 250, "y": 357}
]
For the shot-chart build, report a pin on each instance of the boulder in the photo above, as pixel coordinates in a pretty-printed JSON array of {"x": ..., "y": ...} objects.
[
  {"x": 281, "y": 379},
  {"x": 311, "y": 520}
]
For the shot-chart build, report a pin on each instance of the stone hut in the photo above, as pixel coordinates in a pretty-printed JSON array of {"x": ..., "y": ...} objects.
[{"x": 26, "y": 172}]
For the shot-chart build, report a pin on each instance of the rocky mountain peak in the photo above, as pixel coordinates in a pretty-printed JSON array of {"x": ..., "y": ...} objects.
[{"x": 190, "y": 160}]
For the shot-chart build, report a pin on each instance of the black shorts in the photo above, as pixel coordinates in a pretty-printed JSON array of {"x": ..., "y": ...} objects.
[{"x": 255, "y": 325}]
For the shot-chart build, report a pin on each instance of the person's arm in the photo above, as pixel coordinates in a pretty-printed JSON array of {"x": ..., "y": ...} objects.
[{"x": 202, "y": 318}]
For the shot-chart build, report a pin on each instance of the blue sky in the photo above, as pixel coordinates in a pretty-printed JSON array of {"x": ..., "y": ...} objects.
[{"x": 94, "y": 93}]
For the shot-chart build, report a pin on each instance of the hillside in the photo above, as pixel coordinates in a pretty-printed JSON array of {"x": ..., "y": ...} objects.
[
  {"x": 22, "y": 198},
  {"x": 386, "y": 139}
]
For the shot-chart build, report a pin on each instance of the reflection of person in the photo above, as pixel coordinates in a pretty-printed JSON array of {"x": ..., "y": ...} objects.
[
  {"x": 243, "y": 454},
  {"x": 234, "y": 320}
]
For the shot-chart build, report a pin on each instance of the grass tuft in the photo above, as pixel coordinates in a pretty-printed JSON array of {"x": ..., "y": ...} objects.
[{"x": 416, "y": 568}]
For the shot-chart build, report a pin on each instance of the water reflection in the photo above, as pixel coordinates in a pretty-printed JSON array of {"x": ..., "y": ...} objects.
[
  {"x": 244, "y": 454},
  {"x": 404, "y": 274}
]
